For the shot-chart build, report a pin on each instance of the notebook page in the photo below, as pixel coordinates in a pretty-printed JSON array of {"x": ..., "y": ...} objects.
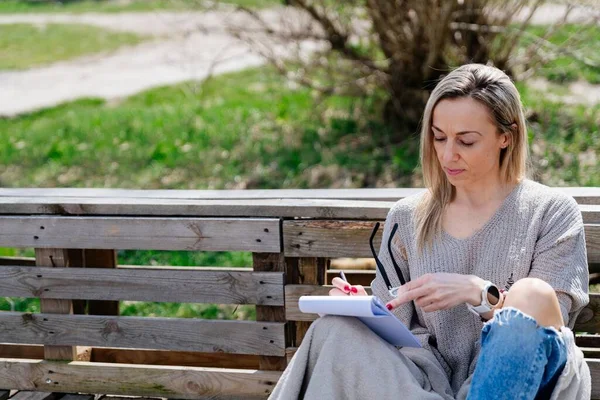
[{"x": 355, "y": 306}]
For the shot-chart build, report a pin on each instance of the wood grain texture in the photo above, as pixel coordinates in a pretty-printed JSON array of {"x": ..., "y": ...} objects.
[
  {"x": 241, "y": 337},
  {"x": 134, "y": 380},
  {"x": 28, "y": 395},
  {"x": 268, "y": 208},
  {"x": 141, "y": 356},
  {"x": 170, "y": 357},
  {"x": 589, "y": 318},
  {"x": 58, "y": 259},
  {"x": 101, "y": 258},
  {"x": 351, "y": 239},
  {"x": 273, "y": 263},
  {"x": 311, "y": 271},
  {"x": 583, "y": 195},
  {"x": 144, "y": 284},
  {"x": 594, "y": 365},
  {"x": 214, "y": 234}
]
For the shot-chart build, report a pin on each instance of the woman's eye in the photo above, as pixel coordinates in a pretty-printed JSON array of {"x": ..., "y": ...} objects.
[
  {"x": 467, "y": 144},
  {"x": 439, "y": 139}
]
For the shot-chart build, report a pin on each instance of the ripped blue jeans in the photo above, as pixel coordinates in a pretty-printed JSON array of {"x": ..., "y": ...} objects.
[{"x": 518, "y": 359}]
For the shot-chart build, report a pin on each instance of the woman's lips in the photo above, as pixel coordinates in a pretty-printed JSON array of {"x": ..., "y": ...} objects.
[{"x": 454, "y": 172}]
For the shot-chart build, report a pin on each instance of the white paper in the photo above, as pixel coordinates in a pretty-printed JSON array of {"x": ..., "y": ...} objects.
[{"x": 368, "y": 309}]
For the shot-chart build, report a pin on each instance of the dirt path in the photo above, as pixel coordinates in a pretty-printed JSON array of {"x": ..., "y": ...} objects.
[{"x": 179, "y": 51}]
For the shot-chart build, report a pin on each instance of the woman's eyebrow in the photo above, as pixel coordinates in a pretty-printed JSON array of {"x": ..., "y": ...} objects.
[{"x": 457, "y": 133}]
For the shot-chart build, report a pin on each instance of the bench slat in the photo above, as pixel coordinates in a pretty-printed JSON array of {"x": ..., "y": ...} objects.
[
  {"x": 351, "y": 239},
  {"x": 144, "y": 284},
  {"x": 583, "y": 195},
  {"x": 214, "y": 234},
  {"x": 137, "y": 380},
  {"x": 141, "y": 356},
  {"x": 273, "y": 208},
  {"x": 190, "y": 334}
]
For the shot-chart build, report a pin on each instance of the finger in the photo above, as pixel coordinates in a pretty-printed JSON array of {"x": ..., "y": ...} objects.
[
  {"x": 341, "y": 284},
  {"x": 432, "y": 306},
  {"x": 411, "y": 285},
  {"x": 408, "y": 296},
  {"x": 360, "y": 290}
]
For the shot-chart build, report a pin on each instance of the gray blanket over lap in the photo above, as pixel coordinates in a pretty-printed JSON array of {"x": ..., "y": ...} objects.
[{"x": 341, "y": 358}]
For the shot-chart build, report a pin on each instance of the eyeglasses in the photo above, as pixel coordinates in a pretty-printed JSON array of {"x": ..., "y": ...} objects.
[{"x": 393, "y": 291}]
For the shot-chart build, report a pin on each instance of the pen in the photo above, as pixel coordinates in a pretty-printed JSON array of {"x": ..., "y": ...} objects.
[{"x": 343, "y": 276}]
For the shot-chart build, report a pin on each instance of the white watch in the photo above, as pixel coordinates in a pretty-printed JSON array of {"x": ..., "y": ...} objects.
[{"x": 485, "y": 305}]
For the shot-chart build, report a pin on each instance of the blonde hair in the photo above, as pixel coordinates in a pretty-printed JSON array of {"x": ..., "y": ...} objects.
[{"x": 494, "y": 89}]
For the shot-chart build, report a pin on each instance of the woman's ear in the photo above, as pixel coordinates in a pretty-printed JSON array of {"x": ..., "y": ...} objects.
[{"x": 506, "y": 137}]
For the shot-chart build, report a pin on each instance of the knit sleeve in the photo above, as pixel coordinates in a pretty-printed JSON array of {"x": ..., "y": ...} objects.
[
  {"x": 406, "y": 312},
  {"x": 560, "y": 256}
]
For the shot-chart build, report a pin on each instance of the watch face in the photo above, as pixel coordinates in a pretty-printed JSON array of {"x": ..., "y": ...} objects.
[{"x": 493, "y": 295}]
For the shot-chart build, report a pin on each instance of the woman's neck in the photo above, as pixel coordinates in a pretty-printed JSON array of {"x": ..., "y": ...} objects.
[{"x": 481, "y": 194}]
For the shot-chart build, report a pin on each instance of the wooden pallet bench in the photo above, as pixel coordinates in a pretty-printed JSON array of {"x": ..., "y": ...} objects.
[{"x": 79, "y": 344}]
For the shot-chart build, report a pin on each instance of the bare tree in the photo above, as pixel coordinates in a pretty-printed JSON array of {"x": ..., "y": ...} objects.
[{"x": 402, "y": 46}]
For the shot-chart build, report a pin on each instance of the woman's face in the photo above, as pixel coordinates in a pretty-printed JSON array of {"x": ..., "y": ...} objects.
[{"x": 466, "y": 141}]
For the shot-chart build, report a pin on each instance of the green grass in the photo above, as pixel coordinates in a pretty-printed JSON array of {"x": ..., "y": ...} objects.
[
  {"x": 113, "y": 6},
  {"x": 566, "y": 68},
  {"x": 24, "y": 46},
  {"x": 243, "y": 130}
]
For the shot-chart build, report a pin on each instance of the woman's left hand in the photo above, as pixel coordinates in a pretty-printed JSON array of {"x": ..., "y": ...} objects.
[{"x": 440, "y": 291}]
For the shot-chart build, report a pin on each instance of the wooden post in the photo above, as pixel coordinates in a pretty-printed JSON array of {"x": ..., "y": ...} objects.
[
  {"x": 94, "y": 258},
  {"x": 311, "y": 271},
  {"x": 272, "y": 262},
  {"x": 57, "y": 258}
]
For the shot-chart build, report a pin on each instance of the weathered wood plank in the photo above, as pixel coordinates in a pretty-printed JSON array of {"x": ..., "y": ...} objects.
[
  {"x": 311, "y": 271},
  {"x": 181, "y": 358},
  {"x": 59, "y": 259},
  {"x": 215, "y": 234},
  {"x": 134, "y": 380},
  {"x": 312, "y": 238},
  {"x": 272, "y": 208},
  {"x": 594, "y": 365},
  {"x": 274, "y": 263},
  {"x": 585, "y": 340},
  {"x": 98, "y": 258},
  {"x": 241, "y": 337},
  {"x": 583, "y": 195},
  {"x": 27, "y": 395},
  {"x": 141, "y": 356},
  {"x": 589, "y": 318},
  {"x": 329, "y": 238},
  {"x": 317, "y": 208},
  {"x": 144, "y": 284}
]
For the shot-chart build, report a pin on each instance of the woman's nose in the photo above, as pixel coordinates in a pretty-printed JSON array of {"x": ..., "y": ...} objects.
[{"x": 450, "y": 152}]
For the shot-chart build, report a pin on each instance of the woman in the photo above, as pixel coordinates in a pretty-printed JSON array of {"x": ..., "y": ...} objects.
[{"x": 483, "y": 243}]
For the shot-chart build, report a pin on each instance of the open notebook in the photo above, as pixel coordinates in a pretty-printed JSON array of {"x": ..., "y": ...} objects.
[{"x": 369, "y": 309}]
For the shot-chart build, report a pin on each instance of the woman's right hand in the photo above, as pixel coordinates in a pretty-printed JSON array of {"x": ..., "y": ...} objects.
[{"x": 343, "y": 288}]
